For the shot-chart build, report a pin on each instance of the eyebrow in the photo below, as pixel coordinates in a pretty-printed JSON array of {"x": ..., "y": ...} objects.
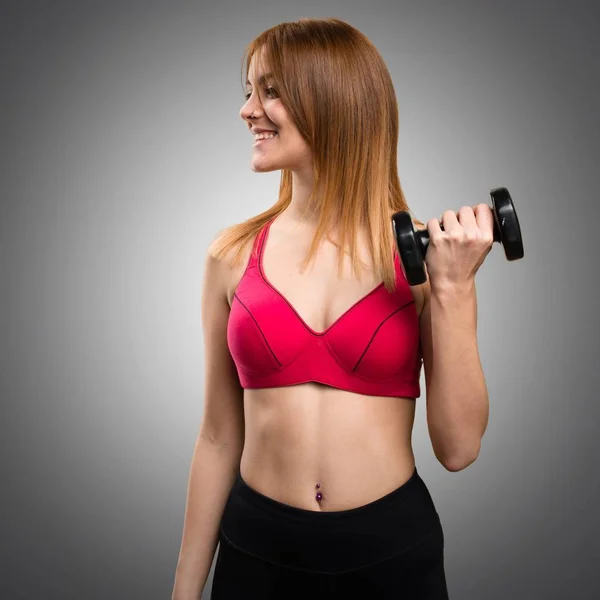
[{"x": 261, "y": 79}]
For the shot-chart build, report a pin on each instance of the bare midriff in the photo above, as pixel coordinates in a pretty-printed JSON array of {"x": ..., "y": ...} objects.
[
  {"x": 311, "y": 439},
  {"x": 313, "y": 446}
]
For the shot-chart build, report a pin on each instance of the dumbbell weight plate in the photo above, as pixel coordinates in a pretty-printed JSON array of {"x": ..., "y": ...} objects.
[
  {"x": 507, "y": 227},
  {"x": 410, "y": 248}
]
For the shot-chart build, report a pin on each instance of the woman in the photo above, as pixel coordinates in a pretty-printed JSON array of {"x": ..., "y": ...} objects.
[{"x": 303, "y": 468}]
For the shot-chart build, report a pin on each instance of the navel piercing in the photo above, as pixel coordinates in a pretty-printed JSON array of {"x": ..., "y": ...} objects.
[{"x": 319, "y": 495}]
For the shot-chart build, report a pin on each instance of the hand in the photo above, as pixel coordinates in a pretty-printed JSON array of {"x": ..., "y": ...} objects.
[{"x": 455, "y": 254}]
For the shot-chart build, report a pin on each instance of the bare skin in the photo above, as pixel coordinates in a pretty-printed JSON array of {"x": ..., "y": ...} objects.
[{"x": 357, "y": 447}]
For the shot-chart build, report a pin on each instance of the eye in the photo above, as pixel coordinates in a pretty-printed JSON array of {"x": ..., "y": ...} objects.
[{"x": 269, "y": 90}]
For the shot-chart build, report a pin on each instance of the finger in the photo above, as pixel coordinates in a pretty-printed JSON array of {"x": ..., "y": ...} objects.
[
  {"x": 484, "y": 217},
  {"x": 466, "y": 217},
  {"x": 449, "y": 220},
  {"x": 434, "y": 229}
]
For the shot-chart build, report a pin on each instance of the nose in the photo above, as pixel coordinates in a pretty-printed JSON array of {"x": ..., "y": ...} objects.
[{"x": 251, "y": 107}]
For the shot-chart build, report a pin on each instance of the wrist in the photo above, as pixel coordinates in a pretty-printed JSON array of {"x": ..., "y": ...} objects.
[{"x": 447, "y": 287}]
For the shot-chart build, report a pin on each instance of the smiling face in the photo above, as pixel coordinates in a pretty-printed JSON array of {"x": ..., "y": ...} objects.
[{"x": 287, "y": 150}]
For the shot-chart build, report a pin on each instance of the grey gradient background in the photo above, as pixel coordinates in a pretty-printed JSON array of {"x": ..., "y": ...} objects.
[{"x": 122, "y": 155}]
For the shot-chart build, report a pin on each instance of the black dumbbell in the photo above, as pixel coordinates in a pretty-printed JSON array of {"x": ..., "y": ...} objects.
[{"x": 412, "y": 245}]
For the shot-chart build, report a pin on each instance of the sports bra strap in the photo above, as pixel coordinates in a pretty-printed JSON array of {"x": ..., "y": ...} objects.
[{"x": 257, "y": 246}]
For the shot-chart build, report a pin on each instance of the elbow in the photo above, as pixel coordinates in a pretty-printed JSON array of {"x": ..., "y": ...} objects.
[{"x": 458, "y": 463}]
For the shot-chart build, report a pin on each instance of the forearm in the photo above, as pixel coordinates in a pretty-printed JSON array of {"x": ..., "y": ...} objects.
[
  {"x": 457, "y": 398},
  {"x": 213, "y": 470}
]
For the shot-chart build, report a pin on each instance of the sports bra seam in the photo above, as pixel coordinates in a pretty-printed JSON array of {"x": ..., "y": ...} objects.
[
  {"x": 362, "y": 377},
  {"x": 259, "y": 329},
  {"x": 411, "y": 383},
  {"x": 378, "y": 328}
]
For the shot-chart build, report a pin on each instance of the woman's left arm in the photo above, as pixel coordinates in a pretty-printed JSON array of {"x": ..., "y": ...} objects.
[
  {"x": 457, "y": 398},
  {"x": 456, "y": 393}
]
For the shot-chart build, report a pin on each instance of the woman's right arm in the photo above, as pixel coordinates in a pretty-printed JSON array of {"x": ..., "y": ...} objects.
[{"x": 218, "y": 449}]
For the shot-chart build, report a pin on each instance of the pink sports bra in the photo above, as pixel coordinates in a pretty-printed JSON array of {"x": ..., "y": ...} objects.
[{"x": 373, "y": 348}]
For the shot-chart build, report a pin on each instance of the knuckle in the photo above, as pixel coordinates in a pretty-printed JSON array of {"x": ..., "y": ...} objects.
[
  {"x": 433, "y": 233},
  {"x": 484, "y": 238},
  {"x": 431, "y": 227}
]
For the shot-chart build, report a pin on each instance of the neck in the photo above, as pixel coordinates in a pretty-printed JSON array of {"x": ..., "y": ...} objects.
[{"x": 299, "y": 211}]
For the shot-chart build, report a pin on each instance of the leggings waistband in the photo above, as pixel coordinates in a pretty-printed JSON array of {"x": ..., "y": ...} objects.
[
  {"x": 410, "y": 486},
  {"x": 329, "y": 541}
]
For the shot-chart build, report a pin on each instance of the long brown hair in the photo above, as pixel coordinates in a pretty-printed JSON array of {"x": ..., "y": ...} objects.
[{"x": 338, "y": 92}]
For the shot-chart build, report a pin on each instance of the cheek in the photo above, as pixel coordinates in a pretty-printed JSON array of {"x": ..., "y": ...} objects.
[{"x": 276, "y": 115}]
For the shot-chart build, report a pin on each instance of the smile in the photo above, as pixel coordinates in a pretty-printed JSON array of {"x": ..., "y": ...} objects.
[{"x": 263, "y": 140}]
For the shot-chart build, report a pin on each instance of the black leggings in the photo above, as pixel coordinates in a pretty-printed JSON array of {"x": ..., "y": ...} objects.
[{"x": 392, "y": 547}]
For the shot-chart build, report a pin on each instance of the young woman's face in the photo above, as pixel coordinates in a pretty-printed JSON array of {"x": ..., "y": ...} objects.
[{"x": 287, "y": 150}]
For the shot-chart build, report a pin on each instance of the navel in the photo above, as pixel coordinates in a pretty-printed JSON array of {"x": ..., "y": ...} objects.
[{"x": 319, "y": 495}]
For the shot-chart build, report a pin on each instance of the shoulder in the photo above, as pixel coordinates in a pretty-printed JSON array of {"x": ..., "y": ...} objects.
[
  {"x": 227, "y": 249},
  {"x": 228, "y": 262}
]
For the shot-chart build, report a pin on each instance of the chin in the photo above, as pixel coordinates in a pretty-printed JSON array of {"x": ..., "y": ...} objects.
[{"x": 257, "y": 168}]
